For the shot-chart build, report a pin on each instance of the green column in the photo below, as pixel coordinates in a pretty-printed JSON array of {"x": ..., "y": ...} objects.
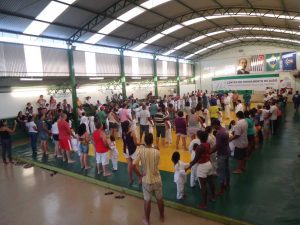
[
  {"x": 73, "y": 85},
  {"x": 155, "y": 76},
  {"x": 122, "y": 74},
  {"x": 194, "y": 73},
  {"x": 177, "y": 77}
]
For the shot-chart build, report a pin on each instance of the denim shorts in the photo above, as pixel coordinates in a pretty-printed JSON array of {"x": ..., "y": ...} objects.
[{"x": 84, "y": 148}]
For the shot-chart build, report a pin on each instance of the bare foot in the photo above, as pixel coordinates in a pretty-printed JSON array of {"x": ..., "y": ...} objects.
[
  {"x": 71, "y": 161},
  {"x": 107, "y": 174},
  {"x": 145, "y": 222}
]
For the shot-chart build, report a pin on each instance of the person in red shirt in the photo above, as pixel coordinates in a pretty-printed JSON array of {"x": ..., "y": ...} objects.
[
  {"x": 101, "y": 147},
  {"x": 64, "y": 137},
  {"x": 204, "y": 170}
]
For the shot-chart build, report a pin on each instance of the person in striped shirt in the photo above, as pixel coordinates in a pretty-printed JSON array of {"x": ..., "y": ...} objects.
[{"x": 159, "y": 119}]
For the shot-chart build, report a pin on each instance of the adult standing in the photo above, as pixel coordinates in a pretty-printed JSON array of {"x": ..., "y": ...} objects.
[
  {"x": 194, "y": 122},
  {"x": 64, "y": 137},
  {"x": 129, "y": 148},
  {"x": 227, "y": 101},
  {"x": 149, "y": 158},
  {"x": 5, "y": 137},
  {"x": 181, "y": 130},
  {"x": 43, "y": 133},
  {"x": 101, "y": 148},
  {"x": 102, "y": 116},
  {"x": 205, "y": 101},
  {"x": 235, "y": 98},
  {"x": 33, "y": 132},
  {"x": 113, "y": 122},
  {"x": 239, "y": 106},
  {"x": 160, "y": 126},
  {"x": 240, "y": 142},
  {"x": 296, "y": 100},
  {"x": 144, "y": 121},
  {"x": 41, "y": 102},
  {"x": 247, "y": 100},
  {"x": 153, "y": 109},
  {"x": 223, "y": 151},
  {"x": 273, "y": 117}
]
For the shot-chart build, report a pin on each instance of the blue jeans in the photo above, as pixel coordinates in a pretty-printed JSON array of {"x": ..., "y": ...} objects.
[
  {"x": 33, "y": 139},
  {"x": 223, "y": 169},
  {"x": 6, "y": 149}
]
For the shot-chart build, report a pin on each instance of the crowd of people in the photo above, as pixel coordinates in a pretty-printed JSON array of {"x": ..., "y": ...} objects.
[{"x": 197, "y": 118}]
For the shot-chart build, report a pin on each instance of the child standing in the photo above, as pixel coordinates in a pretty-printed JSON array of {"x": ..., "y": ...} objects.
[
  {"x": 180, "y": 174},
  {"x": 168, "y": 131},
  {"x": 114, "y": 154}
]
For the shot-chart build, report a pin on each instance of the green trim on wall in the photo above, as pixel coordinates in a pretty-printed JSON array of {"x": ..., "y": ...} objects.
[{"x": 245, "y": 77}]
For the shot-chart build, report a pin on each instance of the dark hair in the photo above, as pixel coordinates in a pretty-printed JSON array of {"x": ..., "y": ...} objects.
[
  {"x": 81, "y": 129},
  {"x": 215, "y": 122},
  {"x": 240, "y": 115},
  {"x": 202, "y": 135},
  {"x": 112, "y": 138},
  {"x": 2, "y": 122},
  {"x": 180, "y": 114},
  {"x": 247, "y": 114},
  {"x": 149, "y": 139},
  {"x": 98, "y": 125},
  {"x": 29, "y": 119},
  {"x": 232, "y": 122},
  {"x": 195, "y": 146},
  {"x": 208, "y": 129},
  {"x": 175, "y": 157}
]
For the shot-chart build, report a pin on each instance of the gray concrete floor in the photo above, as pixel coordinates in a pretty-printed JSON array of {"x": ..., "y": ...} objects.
[{"x": 33, "y": 197}]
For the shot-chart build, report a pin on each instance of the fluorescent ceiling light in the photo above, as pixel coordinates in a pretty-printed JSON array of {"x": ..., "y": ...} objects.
[
  {"x": 163, "y": 78},
  {"x": 153, "y": 3},
  {"x": 172, "y": 29},
  {"x": 48, "y": 14},
  {"x": 131, "y": 14},
  {"x": 169, "y": 52},
  {"x": 96, "y": 78},
  {"x": 36, "y": 28},
  {"x": 215, "y": 45},
  {"x": 30, "y": 79},
  {"x": 68, "y": 1},
  {"x": 140, "y": 46},
  {"x": 189, "y": 56},
  {"x": 182, "y": 45},
  {"x": 193, "y": 21},
  {"x": 125, "y": 17},
  {"x": 216, "y": 32},
  {"x": 136, "y": 78},
  {"x": 52, "y": 11}
]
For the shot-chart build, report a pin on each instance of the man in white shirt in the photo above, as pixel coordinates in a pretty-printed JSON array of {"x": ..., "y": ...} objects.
[
  {"x": 144, "y": 119},
  {"x": 273, "y": 117},
  {"x": 240, "y": 141},
  {"x": 239, "y": 107},
  {"x": 227, "y": 101}
]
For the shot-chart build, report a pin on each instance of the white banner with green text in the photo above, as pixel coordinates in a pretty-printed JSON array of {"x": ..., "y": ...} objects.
[{"x": 246, "y": 82}]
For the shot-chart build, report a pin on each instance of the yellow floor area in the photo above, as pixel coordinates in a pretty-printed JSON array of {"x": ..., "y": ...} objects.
[{"x": 166, "y": 151}]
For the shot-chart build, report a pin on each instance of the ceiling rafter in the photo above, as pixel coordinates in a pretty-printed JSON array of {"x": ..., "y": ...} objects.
[
  {"x": 255, "y": 38},
  {"x": 254, "y": 27},
  {"x": 260, "y": 19},
  {"x": 284, "y": 7},
  {"x": 210, "y": 12},
  {"x": 249, "y": 43},
  {"x": 100, "y": 17}
]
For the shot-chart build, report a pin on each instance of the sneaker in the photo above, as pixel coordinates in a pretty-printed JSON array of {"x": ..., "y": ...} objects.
[{"x": 71, "y": 161}]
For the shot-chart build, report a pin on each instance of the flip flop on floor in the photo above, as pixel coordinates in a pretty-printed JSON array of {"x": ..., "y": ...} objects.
[
  {"x": 120, "y": 196},
  {"x": 109, "y": 193}
]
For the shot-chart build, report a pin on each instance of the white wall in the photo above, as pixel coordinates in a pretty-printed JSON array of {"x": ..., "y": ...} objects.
[{"x": 225, "y": 63}]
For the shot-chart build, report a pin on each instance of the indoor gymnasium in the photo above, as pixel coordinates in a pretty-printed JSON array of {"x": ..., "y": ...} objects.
[{"x": 147, "y": 112}]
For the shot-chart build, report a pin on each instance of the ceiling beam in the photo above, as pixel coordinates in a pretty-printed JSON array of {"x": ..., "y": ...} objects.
[
  {"x": 215, "y": 29},
  {"x": 204, "y": 13},
  {"x": 249, "y": 43}
]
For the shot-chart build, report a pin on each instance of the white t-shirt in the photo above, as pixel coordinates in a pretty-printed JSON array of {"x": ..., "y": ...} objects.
[
  {"x": 273, "y": 111},
  {"x": 194, "y": 141},
  {"x": 239, "y": 107},
  {"x": 241, "y": 129},
  {"x": 144, "y": 115},
  {"x": 54, "y": 128},
  {"x": 30, "y": 126}
]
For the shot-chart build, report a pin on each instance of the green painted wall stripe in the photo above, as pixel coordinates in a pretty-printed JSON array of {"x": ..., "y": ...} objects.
[
  {"x": 174, "y": 205},
  {"x": 245, "y": 77}
]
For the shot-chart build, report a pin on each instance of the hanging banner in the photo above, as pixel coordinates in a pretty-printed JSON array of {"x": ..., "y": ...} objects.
[
  {"x": 247, "y": 82},
  {"x": 273, "y": 62},
  {"x": 243, "y": 66},
  {"x": 288, "y": 61},
  {"x": 257, "y": 63}
]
